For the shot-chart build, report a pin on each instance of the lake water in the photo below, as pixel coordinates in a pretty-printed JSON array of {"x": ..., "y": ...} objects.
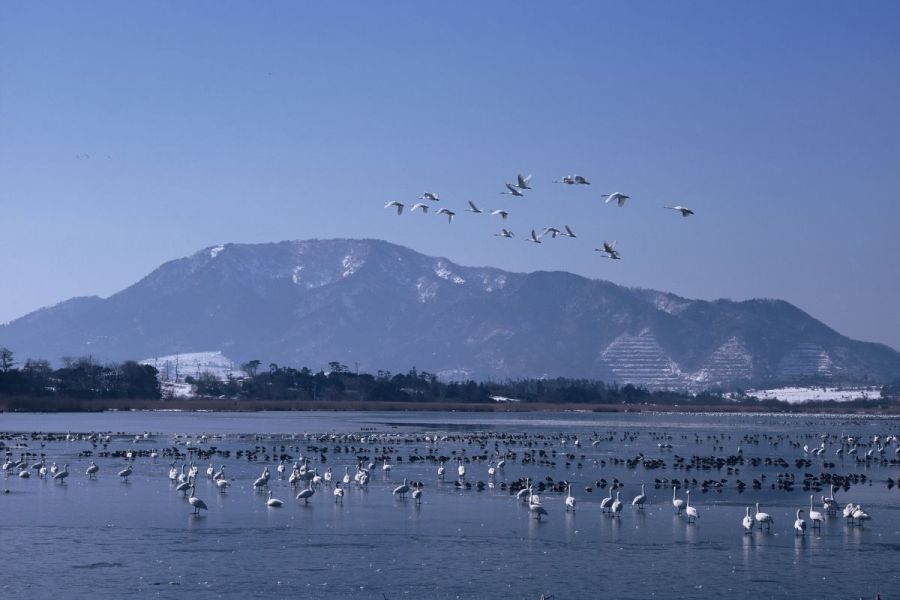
[{"x": 107, "y": 538}]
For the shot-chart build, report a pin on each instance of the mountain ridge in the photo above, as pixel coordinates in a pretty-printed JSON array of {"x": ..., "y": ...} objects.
[{"x": 308, "y": 302}]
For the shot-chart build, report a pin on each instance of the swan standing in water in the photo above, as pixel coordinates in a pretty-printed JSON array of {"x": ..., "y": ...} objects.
[
  {"x": 441, "y": 470},
  {"x": 570, "y": 499},
  {"x": 800, "y": 524},
  {"x": 338, "y": 494},
  {"x": 306, "y": 494},
  {"x": 273, "y": 502},
  {"x": 61, "y": 475},
  {"x": 860, "y": 515},
  {"x": 640, "y": 499},
  {"x": 417, "y": 494},
  {"x": 690, "y": 511},
  {"x": 747, "y": 522},
  {"x": 525, "y": 492},
  {"x": 91, "y": 471},
  {"x": 616, "y": 507},
  {"x": 815, "y": 516},
  {"x": 762, "y": 517},
  {"x": 535, "y": 508},
  {"x": 401, "y": 490},
  {"x": 197, "y": 503},
  {"x": 605, "y": 504},
  {"x": 125, "y": 473},
  {"x": 678, "y": 503}
]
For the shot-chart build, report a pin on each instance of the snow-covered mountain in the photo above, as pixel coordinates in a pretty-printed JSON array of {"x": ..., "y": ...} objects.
[{"x": 383, "y": 306}]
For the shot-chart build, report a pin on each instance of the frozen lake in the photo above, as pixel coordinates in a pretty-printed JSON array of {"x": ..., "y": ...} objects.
[{"x": 108, "y": 538}]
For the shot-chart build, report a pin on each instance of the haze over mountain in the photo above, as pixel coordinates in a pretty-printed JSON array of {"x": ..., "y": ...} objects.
[{"x": 384, "y": 306}]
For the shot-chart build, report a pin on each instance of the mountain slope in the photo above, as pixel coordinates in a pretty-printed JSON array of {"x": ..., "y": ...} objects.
[{"x": 388, "y": 307}]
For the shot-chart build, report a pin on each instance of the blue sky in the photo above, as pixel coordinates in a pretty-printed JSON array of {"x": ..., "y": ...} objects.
[{"x": 135, "y": 133}]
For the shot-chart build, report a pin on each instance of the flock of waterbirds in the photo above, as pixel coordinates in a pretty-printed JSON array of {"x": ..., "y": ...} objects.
[
  {"x": 518, "y": 189},
  {"x": 303, "y": 462}
]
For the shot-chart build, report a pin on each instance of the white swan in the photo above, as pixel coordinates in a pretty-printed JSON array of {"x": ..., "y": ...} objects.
[
  {"x": 446, "y": 211},
  {"x": 747, "y": 522},
  {"x": 800, "y": 524},
  {"x": 91, "y": 471},
  {"x": 126, "y": 473},
  {"x": 424, "y": 208},
  {"x": 815, "y": 516},
  {"x": 398, "y": 205},
  {"x": 401, "y": 490},
  {"x": 306, "y": 494},
  {"x": 616, "y": 507},
  {"x": 684, "y": 210},
  {"x": 535, "y": 238},
  {"x": 273, "y": 502},
  {"x": 609, "y": 250},
  {"x": 860, "y": 515},
  {"x": 690, "y": 511},
  {"x": 513, "y": 190},
  {"x": 61, "y": 475},
  {"x": 617, "y": 197},
  {"x": 606, "y": 502},
  {"x": 678, "y": 503},
  {"x": 196, "y": 502},
  {"x": 522, "y": 182},
  {"x": 762, "y": 517},
  {"x": 570, "y": 499},
  {"x": 473, "y": 209},
  {"x": 640, "y": 499}
]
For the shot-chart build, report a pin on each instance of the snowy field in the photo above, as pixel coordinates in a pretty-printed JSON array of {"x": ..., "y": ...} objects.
[
  {"x": 799, "y": 395},
  {"x": 176, "y": 367}
]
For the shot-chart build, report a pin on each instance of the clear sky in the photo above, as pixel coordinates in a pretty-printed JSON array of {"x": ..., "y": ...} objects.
[{"x": 132, "y": 133}]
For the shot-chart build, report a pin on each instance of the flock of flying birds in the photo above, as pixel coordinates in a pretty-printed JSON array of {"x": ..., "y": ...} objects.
[{"x": 518, "y": 189}]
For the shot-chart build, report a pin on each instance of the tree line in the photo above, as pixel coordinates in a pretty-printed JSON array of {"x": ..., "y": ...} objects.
[
  {"x": 84, "y": 378},
  {"x": 80, "y": 378}
]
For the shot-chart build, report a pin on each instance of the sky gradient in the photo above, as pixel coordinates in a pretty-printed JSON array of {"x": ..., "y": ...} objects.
[{"x": 136, "y": 133}]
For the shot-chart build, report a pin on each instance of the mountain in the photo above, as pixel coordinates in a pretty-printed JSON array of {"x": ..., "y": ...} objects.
[{"x": 305, "y": 303}]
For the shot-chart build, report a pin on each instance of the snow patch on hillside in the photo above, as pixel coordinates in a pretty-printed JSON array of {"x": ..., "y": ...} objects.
[
  {"x": 214, "y": 251},
  {"x": 426, "y": 290},
  {"x": 351, "y": 265},
  {"x": 175, "y": 367},
  {"x": 443, "y": 272}
]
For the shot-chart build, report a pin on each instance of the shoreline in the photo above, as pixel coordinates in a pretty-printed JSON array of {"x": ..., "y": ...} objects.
[{"x": 55, "y": 405}]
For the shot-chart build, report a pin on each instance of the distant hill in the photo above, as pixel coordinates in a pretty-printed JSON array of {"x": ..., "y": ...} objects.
[{"x": 305, "y": 303}]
